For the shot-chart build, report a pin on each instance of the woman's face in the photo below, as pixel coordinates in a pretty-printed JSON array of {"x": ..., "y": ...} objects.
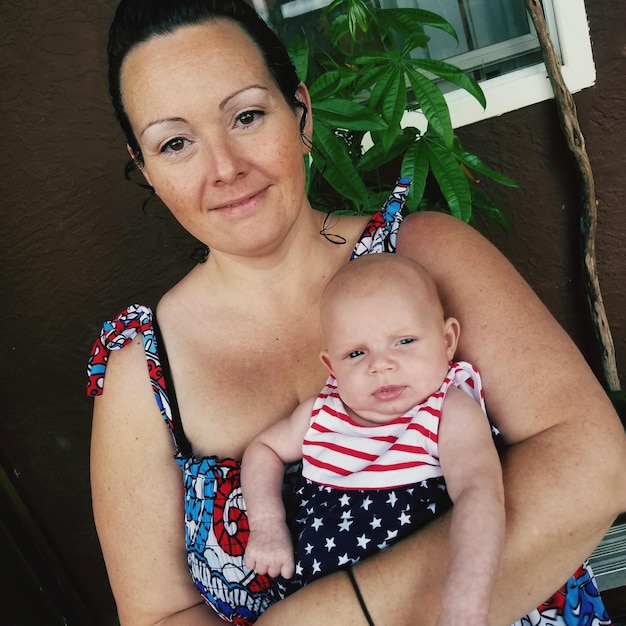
[{"x": 221, "y": 146}]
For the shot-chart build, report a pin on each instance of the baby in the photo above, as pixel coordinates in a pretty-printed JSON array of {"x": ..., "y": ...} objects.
[{"x": 398, "y": 431}]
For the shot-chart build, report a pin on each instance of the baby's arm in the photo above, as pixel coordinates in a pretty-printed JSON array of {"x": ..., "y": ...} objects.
[
  {"x": 269, "y": 549},
  {"x": 473, "y": 476}
]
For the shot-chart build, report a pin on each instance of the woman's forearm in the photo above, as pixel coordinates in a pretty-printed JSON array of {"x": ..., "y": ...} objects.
[
  {"x": 199, "y": 615},
  {"x": 558, "y": 509},
  {"x": 556, "y": 513}
]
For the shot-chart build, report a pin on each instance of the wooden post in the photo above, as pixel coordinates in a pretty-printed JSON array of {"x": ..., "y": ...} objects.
[{"x": 589, "y": 217}]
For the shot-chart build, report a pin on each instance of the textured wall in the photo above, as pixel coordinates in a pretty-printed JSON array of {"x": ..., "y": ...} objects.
[
  {"x": 529, "y": 146},
  {"x": 77, "y": 247}
]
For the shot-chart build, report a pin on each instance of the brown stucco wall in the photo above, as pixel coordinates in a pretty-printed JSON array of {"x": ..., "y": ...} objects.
[
  {"x": 544, "y": 240},
  {"x": 77, "y": 247}
]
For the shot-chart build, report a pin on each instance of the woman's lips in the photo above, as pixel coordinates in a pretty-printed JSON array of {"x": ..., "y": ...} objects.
[
  {"x": 243, "y": 202},
  {"x": 388, "y": 392}
]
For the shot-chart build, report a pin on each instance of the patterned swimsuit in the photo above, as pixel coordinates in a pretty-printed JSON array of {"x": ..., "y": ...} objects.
[{"x": 216, "y": 527}]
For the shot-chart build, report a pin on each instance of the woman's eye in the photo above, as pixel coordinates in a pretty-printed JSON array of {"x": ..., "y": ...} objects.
[
  {"x": 174, "y": 145},
  {"x": 355, "y": 353},
  {"x": 248, "y": 117},
  {"x": 406, "y": 340}
]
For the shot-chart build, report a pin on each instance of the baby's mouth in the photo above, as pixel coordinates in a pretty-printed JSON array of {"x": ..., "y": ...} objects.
[{"x": 386, "y": 393}]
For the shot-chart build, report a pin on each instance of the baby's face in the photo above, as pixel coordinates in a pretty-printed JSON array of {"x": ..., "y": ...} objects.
[{"x": 388, "y": 352}]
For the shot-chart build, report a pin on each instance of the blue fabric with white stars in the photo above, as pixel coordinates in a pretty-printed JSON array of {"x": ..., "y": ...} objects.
[{"x": 335, "y": 528}]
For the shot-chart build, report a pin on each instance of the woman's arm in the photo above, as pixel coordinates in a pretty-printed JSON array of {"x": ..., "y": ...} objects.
[
  {"x": 138, "y": 501},
  {"x": 564, "y": 474}
]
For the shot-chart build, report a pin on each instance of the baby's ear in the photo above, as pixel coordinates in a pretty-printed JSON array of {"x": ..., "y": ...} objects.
[
  {"x": 325, "y": 359},
  {"x": 451, "y": 333}
]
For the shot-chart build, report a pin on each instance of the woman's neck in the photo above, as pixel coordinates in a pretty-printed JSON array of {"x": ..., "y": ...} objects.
[{"x": 295, "y": 265}]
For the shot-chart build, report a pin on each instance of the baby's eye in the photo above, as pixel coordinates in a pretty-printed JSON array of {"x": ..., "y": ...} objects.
[
  {"x": 406, "y": 340},
  {"x": 174, "y": 145},
  {"x": 355, "y": 354}
]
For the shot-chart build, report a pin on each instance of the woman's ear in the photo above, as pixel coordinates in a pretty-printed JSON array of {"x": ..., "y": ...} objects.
[
  {"x": 451, "y": 333},
  {"x": 139, "y": 164},
  {"x": 325, "y": 359},
  {"x": 302, "y": 95}
]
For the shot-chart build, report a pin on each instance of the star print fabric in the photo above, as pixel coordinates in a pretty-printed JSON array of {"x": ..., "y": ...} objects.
[{"x": 336, "y": 528}]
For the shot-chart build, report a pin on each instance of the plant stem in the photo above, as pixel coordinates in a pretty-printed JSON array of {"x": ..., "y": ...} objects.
[{"x": 576, "y": 143}]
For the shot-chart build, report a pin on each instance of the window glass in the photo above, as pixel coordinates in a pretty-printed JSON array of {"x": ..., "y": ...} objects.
[
  {"x": 494, "y": 36},
  {"x": 496, "y": 43}
]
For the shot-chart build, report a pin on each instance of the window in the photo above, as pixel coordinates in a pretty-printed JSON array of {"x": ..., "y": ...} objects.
[{"x": 497, "y": 43}]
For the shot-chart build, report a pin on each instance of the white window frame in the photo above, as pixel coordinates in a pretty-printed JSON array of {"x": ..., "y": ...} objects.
[
  {"x": 519, "y": 88},
  {"x": 529, "y": 85}
]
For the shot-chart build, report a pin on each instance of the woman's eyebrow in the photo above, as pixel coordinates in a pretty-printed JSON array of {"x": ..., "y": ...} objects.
[
  {"x": 222, "y": 106},
  {"x": 162, "y": 121},
  {"x": 225, "y": 101}
]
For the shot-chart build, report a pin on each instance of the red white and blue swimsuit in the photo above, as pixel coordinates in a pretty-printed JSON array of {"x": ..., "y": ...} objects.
[
  {"x": 366, "y": 487},
  {"x": 216, "y": 526}
]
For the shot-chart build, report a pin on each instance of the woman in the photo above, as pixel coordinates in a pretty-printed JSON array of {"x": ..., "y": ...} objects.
[{"x": 218, "y": 123}]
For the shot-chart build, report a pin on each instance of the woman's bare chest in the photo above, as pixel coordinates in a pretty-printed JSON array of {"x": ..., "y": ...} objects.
[{"x": 233, "y": 385}]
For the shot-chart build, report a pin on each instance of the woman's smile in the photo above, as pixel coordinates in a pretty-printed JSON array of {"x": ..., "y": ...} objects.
[{"x": 244, "y": 203}]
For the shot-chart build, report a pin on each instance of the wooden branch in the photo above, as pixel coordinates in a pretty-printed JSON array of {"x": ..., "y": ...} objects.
[{"x": 576, "y": 143}]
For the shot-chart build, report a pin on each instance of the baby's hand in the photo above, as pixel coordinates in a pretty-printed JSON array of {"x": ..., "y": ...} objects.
[{"x": 269, "y": 550}]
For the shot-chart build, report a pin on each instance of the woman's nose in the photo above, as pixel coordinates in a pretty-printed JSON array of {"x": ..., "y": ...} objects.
[{"x": 225, "y": 163}]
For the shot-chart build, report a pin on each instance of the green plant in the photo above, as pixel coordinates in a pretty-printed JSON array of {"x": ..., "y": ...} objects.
[{"x": 362, "y": 78}]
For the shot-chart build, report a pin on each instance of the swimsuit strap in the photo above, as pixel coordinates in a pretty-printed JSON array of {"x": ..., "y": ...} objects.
[
  {"x": 135, "y": 320},
  {"x": 381, "y": 232},
  {"x": 176, "y": 424}
]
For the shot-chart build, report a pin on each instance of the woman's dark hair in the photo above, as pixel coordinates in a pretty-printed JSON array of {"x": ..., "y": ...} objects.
[{"x": 137, "y": 21}]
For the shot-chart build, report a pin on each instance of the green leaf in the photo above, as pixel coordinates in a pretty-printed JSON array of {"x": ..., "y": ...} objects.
[
  {"x": 482, "y": 202},
  {"x": 433, "y": 105},
  {"x": 389, "y": 97},
  {"x": 413, "y": 41},
  {"x": 406, "y": 21},
  {"x": 338, "y": 29},
  {"x": 358, "y": 17},
  {"x": 415, "y": 166},
  {"x": 367, "y": 58},
  {"x": 473, "y": 162},
  {"x": 454, "y": 75},
  {"x": 335, "y": 4},
  {"x": 376, "y": 200},
  {"x": 376, "y": 155},
  {"x": 452, "y": 182},
  {"x": 368, "y": 76},
  {"x": 331, "y": 83},
  {"x": 346, "y": 114},
  {"x": 299, "y": 52},
  {"x": 333, "y": 161}
]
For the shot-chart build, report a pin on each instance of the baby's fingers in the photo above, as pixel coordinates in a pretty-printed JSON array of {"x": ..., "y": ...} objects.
[{"x": 287, "y": 569}]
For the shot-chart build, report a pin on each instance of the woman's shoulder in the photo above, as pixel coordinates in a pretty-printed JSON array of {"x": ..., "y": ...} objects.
[
  {"x": 451, "y": 250},
  {"x": 431, "y": 228}
]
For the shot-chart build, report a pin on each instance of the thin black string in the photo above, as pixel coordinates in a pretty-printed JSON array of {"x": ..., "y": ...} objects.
[
  {"x": 332, "y": 237},
  {"x": 359, "y": 597}
]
